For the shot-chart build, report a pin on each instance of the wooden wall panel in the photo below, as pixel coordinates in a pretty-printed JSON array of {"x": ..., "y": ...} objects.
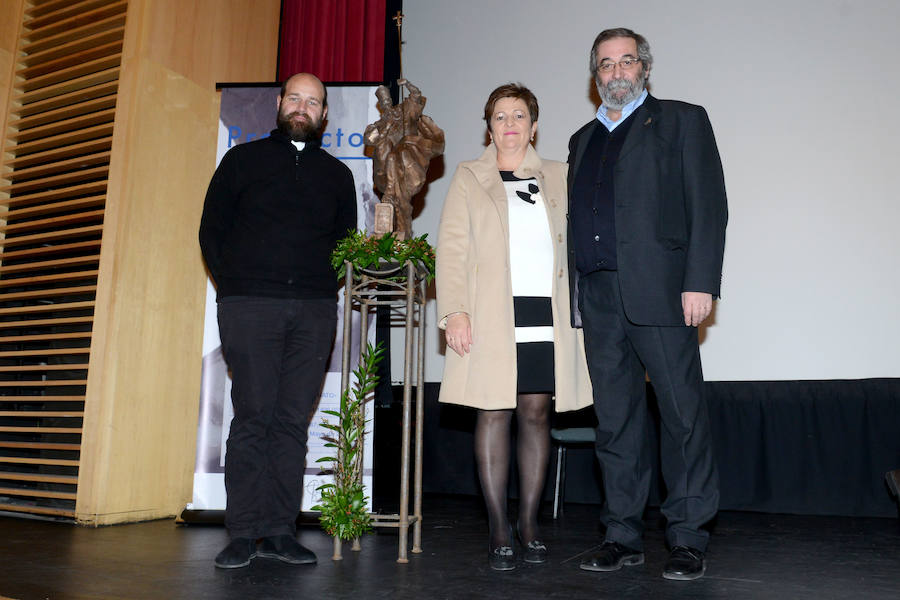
[
  {"x": 56, "y": 143},
  {"x": 10, "y": 19},
  {"x": 210, "y": 41},
  {"x": 151, "y": 293},
  {"x": 144, "y": 375}
]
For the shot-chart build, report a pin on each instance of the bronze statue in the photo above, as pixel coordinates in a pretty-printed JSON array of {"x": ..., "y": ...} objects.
[{"x": 405, "y": 141}]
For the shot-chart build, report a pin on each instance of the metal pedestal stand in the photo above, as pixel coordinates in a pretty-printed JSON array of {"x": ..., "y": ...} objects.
[{"x": 402, "y": 287}]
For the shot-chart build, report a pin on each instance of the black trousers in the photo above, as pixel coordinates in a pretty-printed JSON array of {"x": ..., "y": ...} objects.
[
  {"x": 277, "y": 351},
  {"x": 618, "y": 355}
]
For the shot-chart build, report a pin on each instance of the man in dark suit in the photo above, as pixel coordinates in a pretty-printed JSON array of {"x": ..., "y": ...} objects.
[{"x": 647, "y": 215}]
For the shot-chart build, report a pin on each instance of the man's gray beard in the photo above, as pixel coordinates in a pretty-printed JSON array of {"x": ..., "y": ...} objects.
[
  {"x": 302, "y": 132},
  {"x": 634, "y": 89}
]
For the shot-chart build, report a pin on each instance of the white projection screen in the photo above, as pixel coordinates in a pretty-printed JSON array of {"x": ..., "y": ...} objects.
[{"x": 803, "y": 99}]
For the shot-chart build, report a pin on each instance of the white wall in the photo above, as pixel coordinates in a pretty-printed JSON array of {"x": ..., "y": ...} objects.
[{"x": 802, "y": 96}]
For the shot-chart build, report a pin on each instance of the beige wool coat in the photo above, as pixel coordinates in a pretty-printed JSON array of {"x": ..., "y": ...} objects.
[{"x": 473, "y": 276}]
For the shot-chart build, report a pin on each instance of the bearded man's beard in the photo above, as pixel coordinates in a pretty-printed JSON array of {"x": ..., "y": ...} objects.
[
  {"x": 633, "y": 89},
  {"x": 299, "y": 130}
]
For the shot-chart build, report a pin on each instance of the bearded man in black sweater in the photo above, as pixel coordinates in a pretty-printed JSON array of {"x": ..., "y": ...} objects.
[{"x": 274, "y": 211}]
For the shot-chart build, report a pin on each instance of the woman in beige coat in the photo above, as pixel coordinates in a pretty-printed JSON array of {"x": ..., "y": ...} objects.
[{"x": 503, "y": 300}]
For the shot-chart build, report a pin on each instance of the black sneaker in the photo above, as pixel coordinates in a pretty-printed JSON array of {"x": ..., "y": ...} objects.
[
  {"x": 236, "y": 554},
  {"x": 286, "y": 549}
]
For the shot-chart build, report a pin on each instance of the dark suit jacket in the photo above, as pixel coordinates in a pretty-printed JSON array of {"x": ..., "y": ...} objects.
[{"x": 670, "y": 208}]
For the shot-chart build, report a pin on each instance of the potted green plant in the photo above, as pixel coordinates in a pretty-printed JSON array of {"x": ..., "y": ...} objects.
[
  {"x": 383, "y": 255},
  {"x": 344, "y": 514}
]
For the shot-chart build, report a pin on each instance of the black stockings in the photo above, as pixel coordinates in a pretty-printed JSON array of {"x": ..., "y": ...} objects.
[{"x": 532, "y": 451}]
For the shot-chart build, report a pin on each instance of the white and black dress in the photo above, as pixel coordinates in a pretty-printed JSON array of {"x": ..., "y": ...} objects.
[{"x": 531, "y": 272}]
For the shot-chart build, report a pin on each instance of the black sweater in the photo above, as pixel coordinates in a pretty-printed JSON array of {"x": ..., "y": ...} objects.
[{"x": 271, "y": 218}]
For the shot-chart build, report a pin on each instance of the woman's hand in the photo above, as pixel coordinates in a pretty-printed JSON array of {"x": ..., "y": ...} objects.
[{"x": 459, "y": 333}]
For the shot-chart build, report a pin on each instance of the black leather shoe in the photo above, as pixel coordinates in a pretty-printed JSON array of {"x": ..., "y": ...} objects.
[
  {"x": 612, "y": 556},
  {"x": 685, "y": 564},
  {"x": 502, "y": 558},
  {"x": 236, "y": 554},
  {"x": 893, "y": 482},
  {"x": 286, "y": 549}
]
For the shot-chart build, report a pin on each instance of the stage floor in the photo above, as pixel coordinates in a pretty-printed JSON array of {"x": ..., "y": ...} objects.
[{"x": 751, "y": 556}]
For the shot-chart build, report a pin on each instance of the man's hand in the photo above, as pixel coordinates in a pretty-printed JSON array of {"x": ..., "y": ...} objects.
[
  {"x": 459, "y": 333},
  {"x": 696, "y": 306}
]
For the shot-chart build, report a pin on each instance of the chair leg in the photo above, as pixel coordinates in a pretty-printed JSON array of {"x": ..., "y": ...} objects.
[
  {"x": 562, "y": 480},
  {"x": 556, "y": 489}
]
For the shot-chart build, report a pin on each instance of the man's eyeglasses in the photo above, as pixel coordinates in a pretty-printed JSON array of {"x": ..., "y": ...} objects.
[{"x": 627, "y": 63}]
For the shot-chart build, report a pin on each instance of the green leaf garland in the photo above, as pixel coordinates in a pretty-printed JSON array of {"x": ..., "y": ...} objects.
[{"x": 365, "y": 252}]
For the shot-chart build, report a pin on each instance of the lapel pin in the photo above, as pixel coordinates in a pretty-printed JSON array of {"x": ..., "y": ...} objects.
[{"x": 647, "y": 122}]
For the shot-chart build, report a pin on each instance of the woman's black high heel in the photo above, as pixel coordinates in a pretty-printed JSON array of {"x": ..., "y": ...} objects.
[
  {"x": 534, "y": 552},
  {"x": 503, "y": 558}
]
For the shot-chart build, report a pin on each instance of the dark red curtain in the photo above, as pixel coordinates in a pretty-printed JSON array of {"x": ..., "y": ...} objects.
[{"x": 337, "y": 40}]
